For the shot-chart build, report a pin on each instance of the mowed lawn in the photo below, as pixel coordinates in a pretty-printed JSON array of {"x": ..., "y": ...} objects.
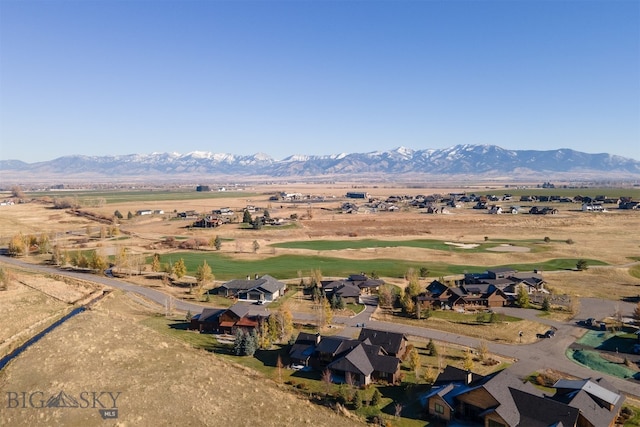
[
  {"x": 288, "y": 266},
  {"x": 112, "y": 197}
]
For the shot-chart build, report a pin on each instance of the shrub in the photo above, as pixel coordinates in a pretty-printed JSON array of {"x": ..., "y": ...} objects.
[
  {"x": 546, "y": 304},
  {"x": 582, "y": 265}
]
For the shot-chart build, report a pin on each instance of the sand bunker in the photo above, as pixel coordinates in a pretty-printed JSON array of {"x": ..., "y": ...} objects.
[
  {"x": 462, "y": 245},
  {"x": 509, "y": 248}
]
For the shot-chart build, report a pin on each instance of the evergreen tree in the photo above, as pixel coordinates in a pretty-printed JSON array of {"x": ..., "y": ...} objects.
[
  {"x": 251, "y": 344},
  {"x": 334, "y": 302},
  {"x": 246, "y": 217},
  {"x": 546, "y": 304},
  {"x": 239, "y": 343},
  {"x": 431, "y": 348},
  {"x": 376, "y": 397},
  {"x": 217, "y": 243},
  {"x": 342, "y": 394},
  {"x": 316, "y": 294},
  {"x": 357, "y": 400}
]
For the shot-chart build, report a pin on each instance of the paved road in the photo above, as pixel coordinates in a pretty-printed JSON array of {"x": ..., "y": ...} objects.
[
  {"x": 546, "y": 353},
  {"x": 151, "y": 294}
]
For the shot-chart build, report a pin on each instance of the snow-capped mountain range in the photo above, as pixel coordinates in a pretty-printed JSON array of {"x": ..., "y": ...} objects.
[{"x": 459, "y": 160}]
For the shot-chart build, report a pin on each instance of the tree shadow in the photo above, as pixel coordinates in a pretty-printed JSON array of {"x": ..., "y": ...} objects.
[
  {"x": 182, "y": 326},
  {"x": 270, "y": 357}
]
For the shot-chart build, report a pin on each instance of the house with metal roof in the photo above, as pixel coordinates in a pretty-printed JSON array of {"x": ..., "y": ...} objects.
[{"x": 503, "y": 400}]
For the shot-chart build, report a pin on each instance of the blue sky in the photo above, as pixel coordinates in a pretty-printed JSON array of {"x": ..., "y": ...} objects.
[{"x": 316, "y": 77}]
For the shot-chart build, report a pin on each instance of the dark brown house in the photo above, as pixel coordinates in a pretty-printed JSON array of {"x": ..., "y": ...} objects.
[
  {"x": 502, "y": 399},
  {"x": 241, "y": 315}
]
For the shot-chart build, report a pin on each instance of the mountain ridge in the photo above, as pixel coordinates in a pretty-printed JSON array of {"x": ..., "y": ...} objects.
[{"x": 457, "y": 160}]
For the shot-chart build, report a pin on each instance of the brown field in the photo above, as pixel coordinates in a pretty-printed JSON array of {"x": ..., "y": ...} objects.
[
  {"x": 161, "y": 381},
  {"x": 25, "y": 310}
]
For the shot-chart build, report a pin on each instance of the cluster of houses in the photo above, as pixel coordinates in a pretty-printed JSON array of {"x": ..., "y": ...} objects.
[
  {"x": 493, "y": 288},
  {"x": 374, "y": 356},
  {"x": 502, "y": 399},
  {"x": 433, "y": 203}
]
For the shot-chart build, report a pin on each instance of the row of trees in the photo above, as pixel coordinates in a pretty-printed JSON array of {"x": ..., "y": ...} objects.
[
  {"x": 21, "y": 244},
  {"x": 25, "y": 244}
]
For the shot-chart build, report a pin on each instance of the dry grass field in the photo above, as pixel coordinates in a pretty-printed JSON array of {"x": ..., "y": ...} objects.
[
  {"x": 161, "y": 381},
  {"x": 32, "y": 302}
]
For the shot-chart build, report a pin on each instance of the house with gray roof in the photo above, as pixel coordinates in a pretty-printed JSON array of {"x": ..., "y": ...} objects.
[
  {"x": 595, "y": 399},
  {"x": 358, "y": 361},
  {"x": 260, "y": 289},
  {"x": 393, "y": 343},
  {"x": 502, "y": 399}
]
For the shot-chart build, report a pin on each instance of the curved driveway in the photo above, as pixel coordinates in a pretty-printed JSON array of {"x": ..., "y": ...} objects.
[{"x": 546, "y": 353}]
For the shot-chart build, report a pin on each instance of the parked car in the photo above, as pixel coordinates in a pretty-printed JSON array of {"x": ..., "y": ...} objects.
[
  {"x": 550, "y": 333},
  {"x": 588, "y": 322}
]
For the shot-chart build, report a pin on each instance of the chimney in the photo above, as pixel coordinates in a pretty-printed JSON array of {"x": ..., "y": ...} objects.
[{"x": 469, "y": 378}]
